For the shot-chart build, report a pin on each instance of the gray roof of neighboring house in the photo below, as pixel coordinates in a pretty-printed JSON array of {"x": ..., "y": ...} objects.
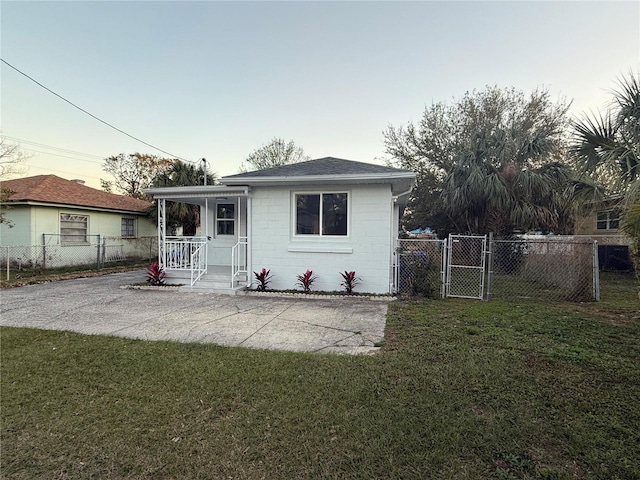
[{"x": 320, "y": 167}]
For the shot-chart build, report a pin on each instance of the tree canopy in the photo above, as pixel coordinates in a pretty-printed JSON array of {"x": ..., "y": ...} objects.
[
  {"x": 11, "y": 160},
  {"x": 492, "y": 160},
  {"x": 275, "y": 153},
  {"x": 134, "y": 172}
]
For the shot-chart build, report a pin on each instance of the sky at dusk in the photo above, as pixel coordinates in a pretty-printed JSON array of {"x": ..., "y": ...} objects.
[{"x": 220, "y": 79}]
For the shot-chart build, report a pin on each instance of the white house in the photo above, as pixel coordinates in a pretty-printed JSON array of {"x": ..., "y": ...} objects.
[{"x": 326, "y": 215}]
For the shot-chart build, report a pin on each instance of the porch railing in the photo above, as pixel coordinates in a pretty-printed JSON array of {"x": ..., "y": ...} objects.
[
  {"x": 238, "y": 259},
  {"x": 186, "y": 253}
]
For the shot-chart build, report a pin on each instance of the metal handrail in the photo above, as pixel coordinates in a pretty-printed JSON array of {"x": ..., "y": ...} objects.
[
  {"x": 238, "y": 254},
  {"x": 198, "y": 267}
]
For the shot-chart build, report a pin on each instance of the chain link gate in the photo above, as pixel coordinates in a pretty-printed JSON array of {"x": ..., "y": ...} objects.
[{"x": 466, "y": 266}]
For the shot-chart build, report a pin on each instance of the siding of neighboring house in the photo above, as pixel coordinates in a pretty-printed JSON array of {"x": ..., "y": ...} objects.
[
  {"x": 588, "y": 225},
  {"x": 20, "y": 231},
  {"x": 365, "y": 249},
  {"x": 30, "y": 222}
]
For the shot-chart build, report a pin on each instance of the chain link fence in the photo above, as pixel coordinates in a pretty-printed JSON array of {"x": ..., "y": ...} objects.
[
  {"x": 560, "y": 268},
  {"x": 95, "y": 251},
  {"x": 549, "y": 269},
  {"x": 420, "y": 267}
]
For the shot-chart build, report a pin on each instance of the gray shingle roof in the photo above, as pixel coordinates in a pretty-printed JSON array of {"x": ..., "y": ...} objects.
[{"x": 318, "y": 167}]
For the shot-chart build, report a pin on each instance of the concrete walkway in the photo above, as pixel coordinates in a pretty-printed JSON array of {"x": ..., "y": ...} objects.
[{"x": 99, "y": 306}]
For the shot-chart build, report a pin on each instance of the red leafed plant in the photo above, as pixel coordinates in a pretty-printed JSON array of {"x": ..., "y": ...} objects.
[
  {"x": 263, "y": 278},
  {"x": 155, "y": 274},
  {"x": 306, "y": 280},
  {"x": 349, "y": 281}
]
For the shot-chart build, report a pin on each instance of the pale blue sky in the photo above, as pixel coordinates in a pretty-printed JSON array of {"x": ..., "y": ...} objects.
[{"x": 220, "y": 79}]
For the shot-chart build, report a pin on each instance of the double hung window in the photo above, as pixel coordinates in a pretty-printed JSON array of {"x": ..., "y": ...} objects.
[
  {"x": 608, "y": 219},
  {"x": 225, "y": 218}
]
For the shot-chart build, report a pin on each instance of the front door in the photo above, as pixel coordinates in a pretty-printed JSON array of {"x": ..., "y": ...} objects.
[{"x": 224, "y": 224}]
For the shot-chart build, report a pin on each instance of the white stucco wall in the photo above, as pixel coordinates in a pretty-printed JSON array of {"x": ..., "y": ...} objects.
[{"x": 366, "y": 249}]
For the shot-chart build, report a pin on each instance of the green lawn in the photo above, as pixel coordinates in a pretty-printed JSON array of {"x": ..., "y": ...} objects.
[{"x": 461, "y": 389}]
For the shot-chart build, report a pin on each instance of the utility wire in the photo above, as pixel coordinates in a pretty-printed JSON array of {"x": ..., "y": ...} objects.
[
  {"x": 51, "y": 147},
  {"x": 88, "y": 113}
]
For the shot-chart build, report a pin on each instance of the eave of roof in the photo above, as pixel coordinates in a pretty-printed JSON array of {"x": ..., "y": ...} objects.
[
  {"x": 192, "y": 194},
  {"x": 32, "y": 203}
]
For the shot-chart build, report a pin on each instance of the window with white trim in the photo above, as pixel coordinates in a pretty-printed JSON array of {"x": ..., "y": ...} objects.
[
  {"x": 128, "y": 227},
  {"x": 73, "y": 228},
  {"x": 608, "y": 219},
  {"x": 322, "y": 214},
  {"x": 225, "y": 218}
]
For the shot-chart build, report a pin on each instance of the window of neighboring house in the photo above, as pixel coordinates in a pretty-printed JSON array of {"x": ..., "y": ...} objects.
[
  {"x": 225, "y": 218},
  {"x": 128, "y": 227},
  {"x": 323, "y": 214},
  {"x": 608, "y": 219},
  {"x": 73, "y": 228}
]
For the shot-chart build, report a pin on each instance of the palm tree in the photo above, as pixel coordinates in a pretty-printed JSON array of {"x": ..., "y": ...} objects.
[
  {"x": 187, "y": 216},
  {"x": 607, "y": 147},
  {"x": 510, "y": 177},
  {"x": 489, "y": 162}
]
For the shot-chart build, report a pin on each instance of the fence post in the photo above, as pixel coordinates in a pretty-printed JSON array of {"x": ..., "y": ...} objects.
[
  {"x": 489, "y": 267},
  {"x": 104, "y": 251},
  {"x": 596, "y": 272},
  {"x": 8, "y": 262},
  {"x": 98, "y": 254},
  {"x": 44, "y": 251}
]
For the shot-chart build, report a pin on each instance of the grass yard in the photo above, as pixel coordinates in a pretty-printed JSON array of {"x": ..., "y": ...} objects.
[{"x": 461, "y": 389}]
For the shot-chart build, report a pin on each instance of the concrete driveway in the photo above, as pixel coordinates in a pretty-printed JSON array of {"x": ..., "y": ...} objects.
[{"x": 99, "y": 306}]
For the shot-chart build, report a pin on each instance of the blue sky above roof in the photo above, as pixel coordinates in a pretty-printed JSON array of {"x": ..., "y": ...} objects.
[{"x": 220, "y": 79}]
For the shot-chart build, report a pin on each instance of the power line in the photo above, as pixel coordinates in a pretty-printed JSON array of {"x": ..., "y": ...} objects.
[
  {"x": 61, "y": 171},
  {"x": 51, "y": 147},
  {"x": 88, "y": 113}
]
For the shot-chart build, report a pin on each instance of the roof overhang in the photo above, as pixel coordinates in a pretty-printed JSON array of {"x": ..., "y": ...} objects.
[
  {"x": 400, "y": 182},
  {"x": 70, "y": 206},
  {"x": 195, "y": 194}
]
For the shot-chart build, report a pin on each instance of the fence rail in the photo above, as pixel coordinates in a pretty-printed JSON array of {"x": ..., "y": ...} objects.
[{"x": 95, "y": 252}]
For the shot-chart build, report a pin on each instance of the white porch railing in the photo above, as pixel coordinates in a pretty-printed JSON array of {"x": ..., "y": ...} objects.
[
  {"x": 186, "y": 253},
  {"x": 238, "y": 259}
]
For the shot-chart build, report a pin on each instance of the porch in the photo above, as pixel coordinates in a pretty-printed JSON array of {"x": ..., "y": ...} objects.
[{"x": 218, "y": 257}]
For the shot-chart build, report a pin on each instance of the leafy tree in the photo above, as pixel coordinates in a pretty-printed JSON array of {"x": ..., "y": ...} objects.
[
  {"x": 276, "y": 153},
  {"x": 187, "y": 216},
  {"x": 490, "y": 161},
  {"x": 11, "y": 160},
  {"x": 134, "y": 172}
]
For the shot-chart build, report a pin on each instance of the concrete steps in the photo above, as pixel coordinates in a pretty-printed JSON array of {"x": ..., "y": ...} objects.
[{"x": 216, "y": 282}]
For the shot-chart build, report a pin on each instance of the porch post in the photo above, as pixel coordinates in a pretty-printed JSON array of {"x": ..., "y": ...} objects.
[
  {"x": 206, "y": 229},
  {"x": 162, "y": 232},
  {"x": 248, "y": 220}
]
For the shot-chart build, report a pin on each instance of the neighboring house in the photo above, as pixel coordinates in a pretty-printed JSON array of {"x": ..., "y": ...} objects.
[
  {"x": 326, "y": 215},
  {"x": 603, "y": 225},
  {"x": 49, "y": 210}
]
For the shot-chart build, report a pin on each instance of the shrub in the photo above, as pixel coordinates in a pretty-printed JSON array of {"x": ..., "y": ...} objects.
[
  {"x": 306, "y": 280},
  {"x": 263, "y": 278},
  {"x": 155, "y": 274},
  {"x": 419, "y": 275},
  {"x": 349, "y": 281}
]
